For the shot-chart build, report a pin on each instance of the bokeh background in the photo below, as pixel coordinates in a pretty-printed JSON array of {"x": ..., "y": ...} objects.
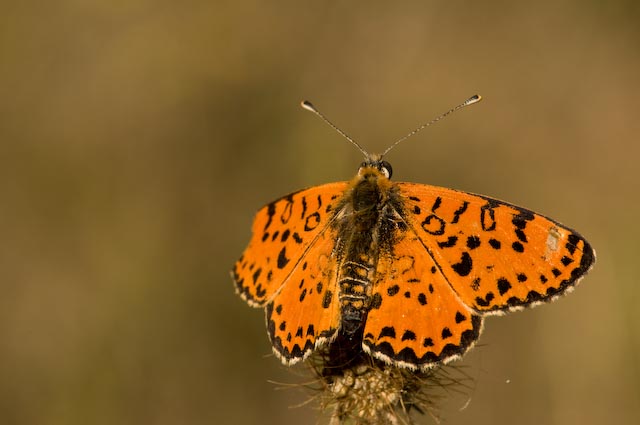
[{"x": 138, "y": 138}]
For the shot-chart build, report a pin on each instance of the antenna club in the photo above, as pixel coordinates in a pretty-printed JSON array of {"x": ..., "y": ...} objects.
[
  {"x": 473, "y": 99},
  {"x": 308, "y": 106}
]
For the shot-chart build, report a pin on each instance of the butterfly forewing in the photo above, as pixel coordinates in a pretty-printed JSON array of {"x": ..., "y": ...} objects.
[
  {"x": 283, "y": 231},
  {"x": 494, "y": 255}
]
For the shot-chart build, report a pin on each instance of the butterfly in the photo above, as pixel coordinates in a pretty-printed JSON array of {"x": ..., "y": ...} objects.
[{"x": 406, "y": 271}]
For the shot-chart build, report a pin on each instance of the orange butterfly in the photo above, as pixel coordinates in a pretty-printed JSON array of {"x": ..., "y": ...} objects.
[{"x": 405, "y": 271}]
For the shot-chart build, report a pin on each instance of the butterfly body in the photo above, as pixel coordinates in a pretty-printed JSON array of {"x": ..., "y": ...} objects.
[{"x": 363, "y": 229}]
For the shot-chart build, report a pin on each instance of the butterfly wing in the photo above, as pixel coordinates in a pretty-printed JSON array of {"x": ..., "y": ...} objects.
[
  {"x": 494, "y": 255},
  {"x": 288, "y": 268},
  {"x": 305, "y": 313},
  {"x": 463, "y": 256},
  {"x": 283, "y": 231},
  {"x": 416, "y": 320}
]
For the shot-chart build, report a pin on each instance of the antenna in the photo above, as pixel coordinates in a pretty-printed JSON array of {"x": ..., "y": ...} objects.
[
  {"x": 473, "y": 99},
  {"x": 309, "y": 107}
]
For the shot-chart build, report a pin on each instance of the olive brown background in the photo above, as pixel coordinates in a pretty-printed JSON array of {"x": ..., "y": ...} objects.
[{"x": 138, "y": 138}]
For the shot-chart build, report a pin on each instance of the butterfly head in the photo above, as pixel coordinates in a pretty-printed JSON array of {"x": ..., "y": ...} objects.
[{"x": 374, "y": 164}]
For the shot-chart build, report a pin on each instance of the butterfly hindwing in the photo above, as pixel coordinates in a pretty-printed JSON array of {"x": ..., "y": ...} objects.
[
  {"x": 494, "y": 255},
  {"x": 416, "y": 320},
  {"x": 305, "y": 312},
  {"x": 283, "y": 231}
]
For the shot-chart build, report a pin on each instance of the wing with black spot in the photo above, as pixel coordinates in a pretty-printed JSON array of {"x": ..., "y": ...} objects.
[
  {"x": 283, "y": 232},
  {"x": 416, "y": 321},
  {"x": 494, "y": 255},
  {"x": 305, "y": 313}
]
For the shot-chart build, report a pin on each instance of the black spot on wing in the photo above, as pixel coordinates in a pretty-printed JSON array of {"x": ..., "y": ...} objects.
[
  {"x": 488, "y": 216},
  {"x": 457, "y": 213},
  {"x": 486, "y": 301},
  {"x": 260, "y": 290},
  {"x": 449, "y": 243},
  {"x": 463, "y": 268},
  {"x": 392, "y": 290},
  {"x": 433, "y": 225},
  {"x": 520, "y": 220},
  {"x": 521, "y": 235},
  {"x": 326, "y": 300},
  {"x": 503, "y": 286},
  {"x": 475, "y": 285},
  {"x": 387, "y": 331},
  {"x": 566, "y": 261},
  {"x": 408, "y": 336},
  {"x": 572, "y": 243},
  {"x": 436, "y": 204},
  {"x": 288, "y": 209},
  {"x": 517, "y": 246},
  {"x": 473, "y": 242},
  {"x": 282, "y": 258},
  {"x": 271, "y": 210},
  {"x": 256, "y": 275},
  {"x": 312, "y": 221}
]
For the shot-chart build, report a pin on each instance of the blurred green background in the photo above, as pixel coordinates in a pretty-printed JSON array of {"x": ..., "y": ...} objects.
[{"x": 138, "y": 138}]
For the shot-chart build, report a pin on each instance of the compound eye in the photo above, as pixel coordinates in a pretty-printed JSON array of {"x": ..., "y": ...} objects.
[{"x": 385, "y": 168}]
